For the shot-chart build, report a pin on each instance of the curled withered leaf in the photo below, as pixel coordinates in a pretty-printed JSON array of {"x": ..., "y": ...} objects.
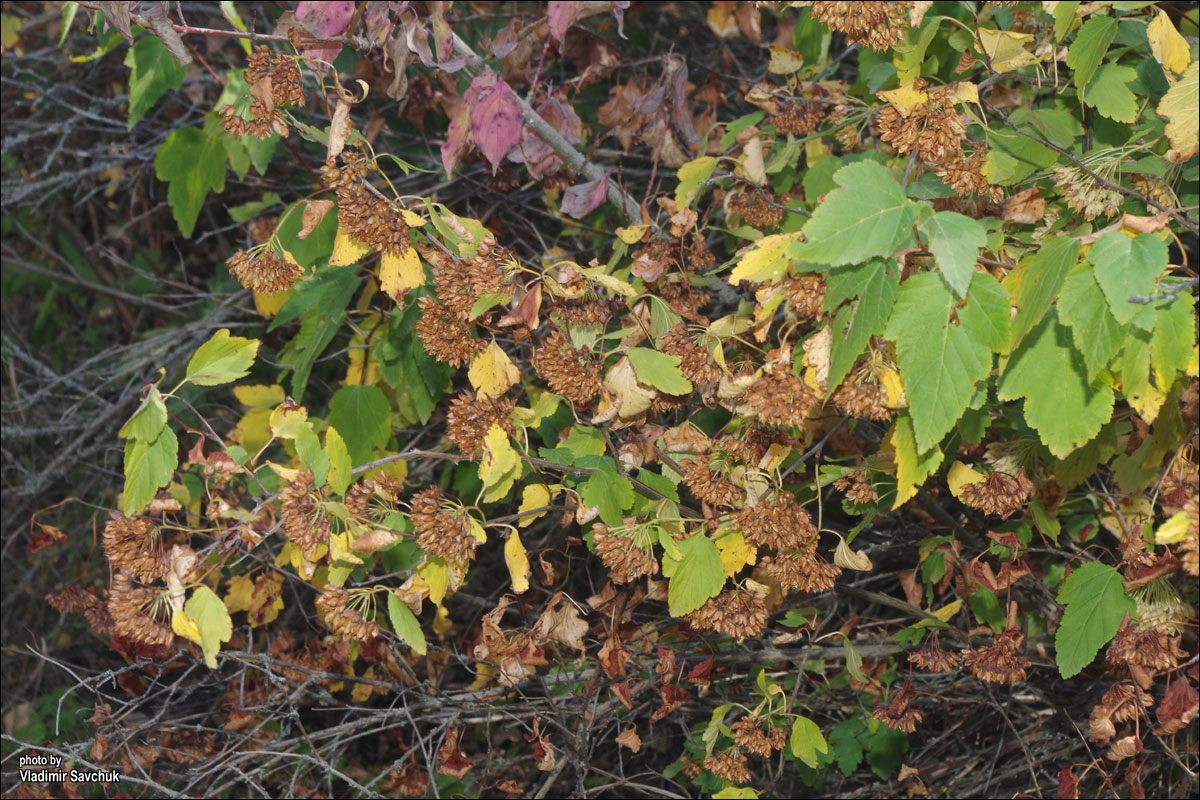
[
  {"x": 1123, "y": 748},
  {"x": 526, "y": 312},
  {"x": 314, "y": 214},
  {"x": 372, "y": 540},
  {"x": 846, "y": 558},
  {"x": 451, "y": 760},
  {"x": 339, "y": 129},
  {"x": 1178, "y": 707},
  {"x": 629, "y": 738}
]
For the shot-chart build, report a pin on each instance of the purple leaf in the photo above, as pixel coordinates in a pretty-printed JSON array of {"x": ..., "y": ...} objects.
[
  {"x": 324, "y": 21},
  {"x": 458, "y": 137},
  {"x": 560, "y": 14},
  {"x": 506, "y": 39},
  {"x": 537, "y": 156},
  {"x": 443, "y": 37},
  {"x": 584, "y": 198},
  {"x": 619, "y": 8},
  {"x": 495, "y": 116}
]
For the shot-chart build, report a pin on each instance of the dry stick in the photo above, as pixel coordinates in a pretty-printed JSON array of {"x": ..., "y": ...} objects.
[
  {"x": 572, "y": 157},
  {"x": 1020, "y": 741}
]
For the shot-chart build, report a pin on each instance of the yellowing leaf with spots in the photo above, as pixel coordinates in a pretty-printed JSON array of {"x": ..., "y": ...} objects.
[
  {"x": 735, "y": 552},
  {"x": 905, "y": 98},
  {"x": 766, "y": 262},
  {"x": 893, "y": 389},
  {"x": 400, "y": 272},
  {"x": 492, "y": 372},
  {"x": 287, "y": 420},
  {"x": 518, "y": 563},
  {"x": 1168, "y": 45},
  {"x": 238, "y": 595},
  {"x": 347, "y": 250}
]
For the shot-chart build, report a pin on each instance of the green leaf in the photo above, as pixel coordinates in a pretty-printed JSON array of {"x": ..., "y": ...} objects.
[
  {"x": 1096, "y": 603},
  {"x": 222, "y": 359},
  {"x": 940, "y": 363},
  {"x": 148, "y": 421},
  {"x": 1060, "y": 402},
  {"x": 867, "y": 216},
  {"x": 1095, "y": 331},
  {"x": 1079, "y": 465},
  {"x": 847, "y": 749},
  {"x": 154, "y": 72},
  {"x": 1173, "y": 337},
  {"x": 659, "y": 483},
  {"x": 767, "y": 261},
  {"x": 807, "y": 741},
  {"x": 659, "y": 370},
  {"x": 610, "y": 492},
  {"x": 912, "y": 466},
  {"x": 955, "y": 241},
  {"x": 192, "y": 164},
  {"x": 149, "y": 466},
  {"x": 698, "y": 576},
  {"x": 361, "y": 415},
  {"x": 1038, "y": 281},
  {"x": 691, "y": 175},
  {"x": 406, "y": 625},
  {"x": 737, "y": 793},
  {"x": 339, "y": 461},
  {"x": 310, "y": 341},
  {"x": 875, "y": 283},
  {"x": 1109, "y": 93},
  {"x": 308, "y": 447},
  {"x": 1089, "y": 47},
  {"x": 208, "y": 611},
  {"x": 584, "y": 440},
  {"x": 486, "y": 301},
  {"x": 1125, "y": 267},
  {"x": 987, "y": 314}
]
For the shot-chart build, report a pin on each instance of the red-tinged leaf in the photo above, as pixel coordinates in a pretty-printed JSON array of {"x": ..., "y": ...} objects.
[
  {"x": 1068, "y": 785},
  {"x": 1178, "y": 707},
  {"x": 702, "y": 672},
  {"x": 495, "y": 116},
  {"x": 526, "y": 313},
  {"x": 443, "y": 37},
  {"x": 561, "y": 15},
  {"x": 621, "y": 690},
  {"x": 673, "y": 697},
  {"x": 47, "y": 536},
  {"x": 506, "y": 39},
  {"x": 532, "y": 151},
  {"x": 131, "y": 682},
  {"x": 583, "y": 198},
  {"x": 458, "y": 139},
  {"x": 324, "y": 20},
  {"x": 451, "y": 760},
  {"x": 613, "y": 656}
]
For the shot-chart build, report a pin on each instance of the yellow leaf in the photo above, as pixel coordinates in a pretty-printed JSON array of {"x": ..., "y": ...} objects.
[
  {"x": 912, "y": 467},
  {"x": 784, "y": 60},
  {"x": 518, "y": 563},
  {"x": 412, "y": 219},
  {"x": 846, "y": 558},
  {"x": 442, "y": 624},
  {"x": 893, "y": 389},
  {"x": 610, "y": 282},
  {"x": 499, "y": 457},
  {"x": 774, "y": 456},
  {"x": 238, "y": 595},
  {"x": 1173, "y": 530},
  {"x": 258, "y": 396},
  {"x": 633, "y": 398},
  {"x": 959, "y": 476},
  {"x": 966, "y": 92},
  {"x": 183, "y": 626},
  {"x": 340, "y": 549},
  {"x": 436, "y": 573},
  {"x": 766, "y": 261},
  {"x": 947, "y": 611},
  {"x": 1193, "y": 365},
  {"x": 492, "y": 372},
  {"x": 1148, "y": 403},
  {"x": 1181, "y": 106},
  {"x": 253, "y": 430},
  {"x": 1168, "y": 45},
  {"x": 735, "y": 552},
  {"x": 362, "y": 691},
  {"x": 400, "y": 272},
  {"x": 720, "y": 18},
  {"x": 211, "y": 620},
  {"x": 476, "y": 530},
  {"x": 268, "y": 303},
  {"x": 535, "y": 495},
  {"x": 752, "y": 165},
  {"x": 1006, "y": 50},
  {"x": 347, "y": 250},
  {"x": 362, "y": 368},
  {"x": 287, "y": 473},
  {"x": 904, "y": 99},
  {"x": 287, "y": 419},
  {"x": 632, "y": 234},
  {"x": 1135, "y": 512},
  {"x": 542, "y": 404}
]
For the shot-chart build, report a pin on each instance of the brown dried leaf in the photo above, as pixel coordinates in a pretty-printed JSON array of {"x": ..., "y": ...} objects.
[
  {"x": 1026, "y": 207},
  {"x": 451, "y": 760},
  {"x": 314, "y": 214},
  {"x": 629, "y": 738},
  {"x": 560, "y": 622},
  {"x": 339, "y": 129}
]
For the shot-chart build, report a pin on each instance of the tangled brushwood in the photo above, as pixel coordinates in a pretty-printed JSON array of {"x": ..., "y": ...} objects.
[{"x": 563, "y": 415}]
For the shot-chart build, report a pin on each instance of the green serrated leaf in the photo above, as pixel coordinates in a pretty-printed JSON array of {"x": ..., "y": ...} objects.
[
  {"x": 1089, "y": 47},
  {"x": 1096, "y": 603},
  {"x": 691, "y": 175},
  {"x": 659, "y": 370},
  {"x": 154, "y": 72},
  {"x": 1125, "y": 266},
  {"x": 361, "y": 415},
  {"x": 1060, "y": 402},
  {"x": 308, "y": 447},
  {"x": 148, "y": 421},
  {"x": 1108, "y": 92},
  {"x": 406, "y": 625},
  {"x": 485, "y": 302},
  {"x": 807, "y": 741},
  {"x": 1095, "y": 331},
  {"x": 339, "y": 461},
  {"x": 222, "y": 359},
  {"x": 1038, "y": 280},
  {"x": 208, "y": 612},
  {"x": 610, "y": 493},
  {"x": 192, "y": 164},
  {"x": 1173, "y": 338},
  {"x": 698, "y": 576},
  {"x": 149, "y": 466},
  {"x": 847, "y": 749},
  {"x": 875, "y": 283},
  {"x": 987, "y": 314},
  {"x": 940, "y": 363},
  {"x": 955, "y": 241},
  {"x": 867, "y": 216}
]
